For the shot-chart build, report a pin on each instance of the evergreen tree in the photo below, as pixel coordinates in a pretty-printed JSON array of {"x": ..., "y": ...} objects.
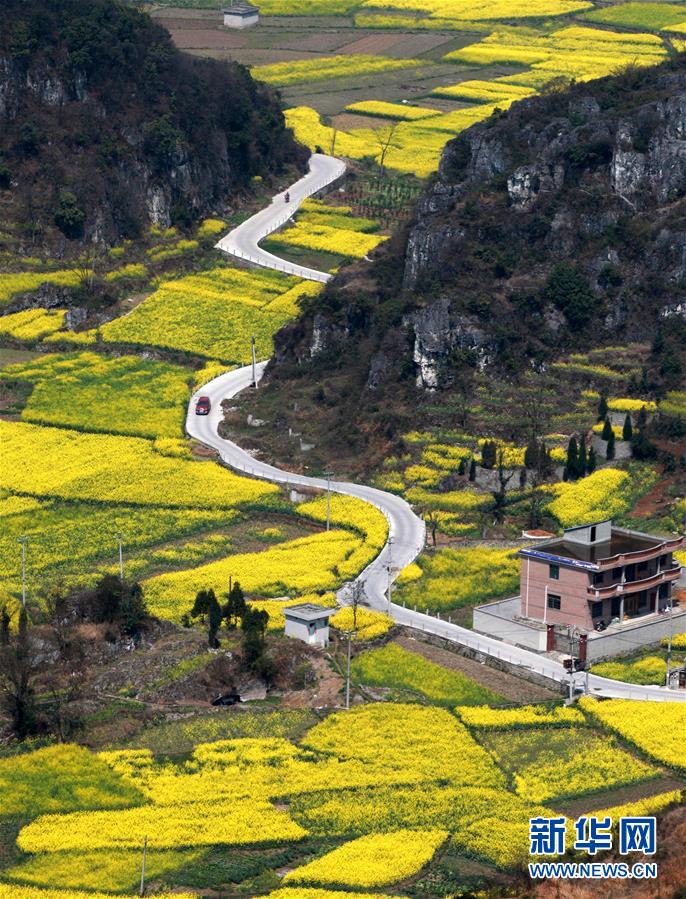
[
  {"x": 572, "y": 459},
  {"x": 489, "y": 452},
  {"x": 592, "y": 461},
  {"x": 235, "y": 605},
  {"x": 472, "y": 469},
  {"x": 642, "y": 419},
  {"x": 582, "y": 462},
  {"x": 532, "y": 454},
  {"x": 214, "y": 619},
  {"x": 462, "y": 468},
  {"x": 602, "y": 407},
  {"x": 607, "y": 429},
  {"x": 610, "y": 449},
  {"x": 627, "y": 430},
  {"x": 201, "y": 605}
]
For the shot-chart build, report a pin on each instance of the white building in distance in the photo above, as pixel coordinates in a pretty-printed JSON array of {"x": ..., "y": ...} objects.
[
  {"x": 241, "y": 15},
  {"x": 308, "y": 622}
]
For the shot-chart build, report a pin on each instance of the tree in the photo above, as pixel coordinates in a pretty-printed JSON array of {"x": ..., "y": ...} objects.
[
  {"x": 254, "y": 627},
  {"x": 384, "y": 138},
  {"x": 489, "y": 452},
  {"x": 607, "y": 429},
  {"x": 572, "y": 464},
  {"x": 610, "y": 448},
  {"x": 592, "y": 461},
  {"x": 215, "y": 616},
  {"x": 68, "y": 215},
  {"x": 570, "y": 292},
  {"x": 642, "y": 418},
  {"x": 531, "y": 454},
  {"x": 472, "y": 469},
  {"x": 499, "y": 495},
  {"x": 602, "y": 407},
  {"x": 18, "y": 669},
  {"x": 582, "y": 461},
  {"x": 235, "y": 605},
  {"x": 201, "y": 606},
  {"x": 114, "y": 601},
  {"x": 627, "y": 430},
  {"x": 462, "y": 467},
  {"x": 357, "y": 596},
  {"x": 432, "y": 521}
]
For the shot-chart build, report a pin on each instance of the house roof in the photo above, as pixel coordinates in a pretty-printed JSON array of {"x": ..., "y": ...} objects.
[
  {"x": 621, "y": 542},
  {"x": 308, "y": 611},
  {"x": 242, "y": 9}
]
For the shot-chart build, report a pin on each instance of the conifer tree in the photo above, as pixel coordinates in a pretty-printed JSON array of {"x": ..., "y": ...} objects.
[
  {"x": 627, "y": 430},
  {"x": 607, "y": 429},
  {"x": 610, "y": 449}
]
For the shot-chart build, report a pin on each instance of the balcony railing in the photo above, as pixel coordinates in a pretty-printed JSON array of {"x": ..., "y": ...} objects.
[
  {"x": 661, "y": 577},
  {"x": 641, "y": 554}
]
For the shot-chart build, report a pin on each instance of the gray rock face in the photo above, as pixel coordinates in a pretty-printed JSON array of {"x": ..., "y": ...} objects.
[{"x": 438, "y": 331}]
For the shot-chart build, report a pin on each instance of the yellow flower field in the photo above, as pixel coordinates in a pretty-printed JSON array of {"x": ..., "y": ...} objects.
[
  {"x": 601, "y": 495},
  {"x": 385, "y": 110},
  {"x": 115, "y": 469},
  {"x": 429, "y": 740},
  {"x": 331, "y": 240},
  {"x": 212, "y": 314},
  {"x": 524, "y": 716},
  {"x": 374, "y": 860},
  {"x": 366, "y": 624},
  {"x": 470, "y": 10},
  {"x": 32, "y": 324},
  {"x": 234, "y": 823},
  {"x": 660, "y": 734},
  {"x": 323, "y": 68},
  {"x": 86, "y": 391},
  {"x": 12, "y": 284},
  {"x": 14, "y": 891},
  {"x": 296, "y": 566}
]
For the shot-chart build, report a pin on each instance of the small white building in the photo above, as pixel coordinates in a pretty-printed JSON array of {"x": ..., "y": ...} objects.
[
  {"x": 241, "y": 15},
  {"x": 308, "y": 622}
]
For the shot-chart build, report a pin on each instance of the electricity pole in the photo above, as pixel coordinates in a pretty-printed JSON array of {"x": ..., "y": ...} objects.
[
  {"x": 254, "y": 363},
  {"x": 669, "y": 643},
  {"x": 328, "y": 475},
  {"x": 347, "y": 676},
  {"x": 120, "y": 538},
  {"x": 145, "y": 852},
  {"x": 389, "y": 569},
  {"x": 24, "y": 541}
]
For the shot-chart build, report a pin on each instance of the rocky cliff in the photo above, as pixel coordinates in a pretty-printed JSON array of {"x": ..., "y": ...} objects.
[
  {"x": 105, "y": 128},
  {"x": 558, "y": 224}
]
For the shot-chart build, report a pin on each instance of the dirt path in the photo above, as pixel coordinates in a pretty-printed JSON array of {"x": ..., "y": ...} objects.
[{"x": 507, "y": 685}]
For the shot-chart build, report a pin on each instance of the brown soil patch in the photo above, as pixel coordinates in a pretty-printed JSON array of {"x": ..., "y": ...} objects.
[
  {"x": 326, "y": 693},
  {"x": 207, "y": 38},
  {"x": 372, "y": 44},
  {"x": 656, "y": 500},
  {"x": 348, "y": 120},
  {"x": 507, "y": 685}
]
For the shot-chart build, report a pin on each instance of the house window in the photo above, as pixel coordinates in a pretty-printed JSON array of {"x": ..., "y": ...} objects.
[
  {"x": 642, "y": 599},
  {"x": 554, "y": 572},
  {"x": 596, "y": 610},
  {"x": 598, "y": 579},
  {"x": 592, "y": 535},
  {"x": 616, "y": 575},
  {"x": 554, "y": 601}
]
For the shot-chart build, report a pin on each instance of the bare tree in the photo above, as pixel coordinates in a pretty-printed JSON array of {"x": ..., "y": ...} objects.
[
  {"x": 499, "y": 495},
  {"x": 432, "y": 521},
  {"x": 18, "y": 669},
  {"x": 384, "y": 138},
  {"x": 357, "y": 597}
]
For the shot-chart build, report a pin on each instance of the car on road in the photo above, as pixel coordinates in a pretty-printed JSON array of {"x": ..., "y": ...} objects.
[{"x": 203, "y": 405}]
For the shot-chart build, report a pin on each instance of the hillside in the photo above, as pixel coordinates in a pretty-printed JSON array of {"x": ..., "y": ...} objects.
[
  {"x": 107, "y": 128},
  {"x": 552, "y": 228}
]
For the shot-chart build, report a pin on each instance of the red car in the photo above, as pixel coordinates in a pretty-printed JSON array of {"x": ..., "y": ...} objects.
[{"x": 203, "y": 405}]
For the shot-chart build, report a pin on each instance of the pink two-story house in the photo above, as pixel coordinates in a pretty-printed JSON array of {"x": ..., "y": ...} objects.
[{"x": 598, "y": 573}]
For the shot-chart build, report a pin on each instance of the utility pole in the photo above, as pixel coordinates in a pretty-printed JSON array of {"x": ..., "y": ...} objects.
[
  {"x": 347, "y": 676},
  {"x": 254, "y": 363},
  {"x": 145, "y": 852},
  {"x": 120, "y": 538},
  {"x": 328, "y": 475},
  {"x": 389, "y": 568},
  {"x": 24, "y": 541},
  {"x": 572, "y": 631},
  {"x": 669, "y": 643}
]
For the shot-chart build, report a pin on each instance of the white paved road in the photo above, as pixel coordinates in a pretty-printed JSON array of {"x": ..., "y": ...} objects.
[
  {"x": 406, "y": 530},
  {"x": 243, "y": 241}
]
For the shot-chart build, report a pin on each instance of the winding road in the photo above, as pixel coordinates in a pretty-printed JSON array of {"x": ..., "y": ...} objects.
[{"x": 406, "y": 531}]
